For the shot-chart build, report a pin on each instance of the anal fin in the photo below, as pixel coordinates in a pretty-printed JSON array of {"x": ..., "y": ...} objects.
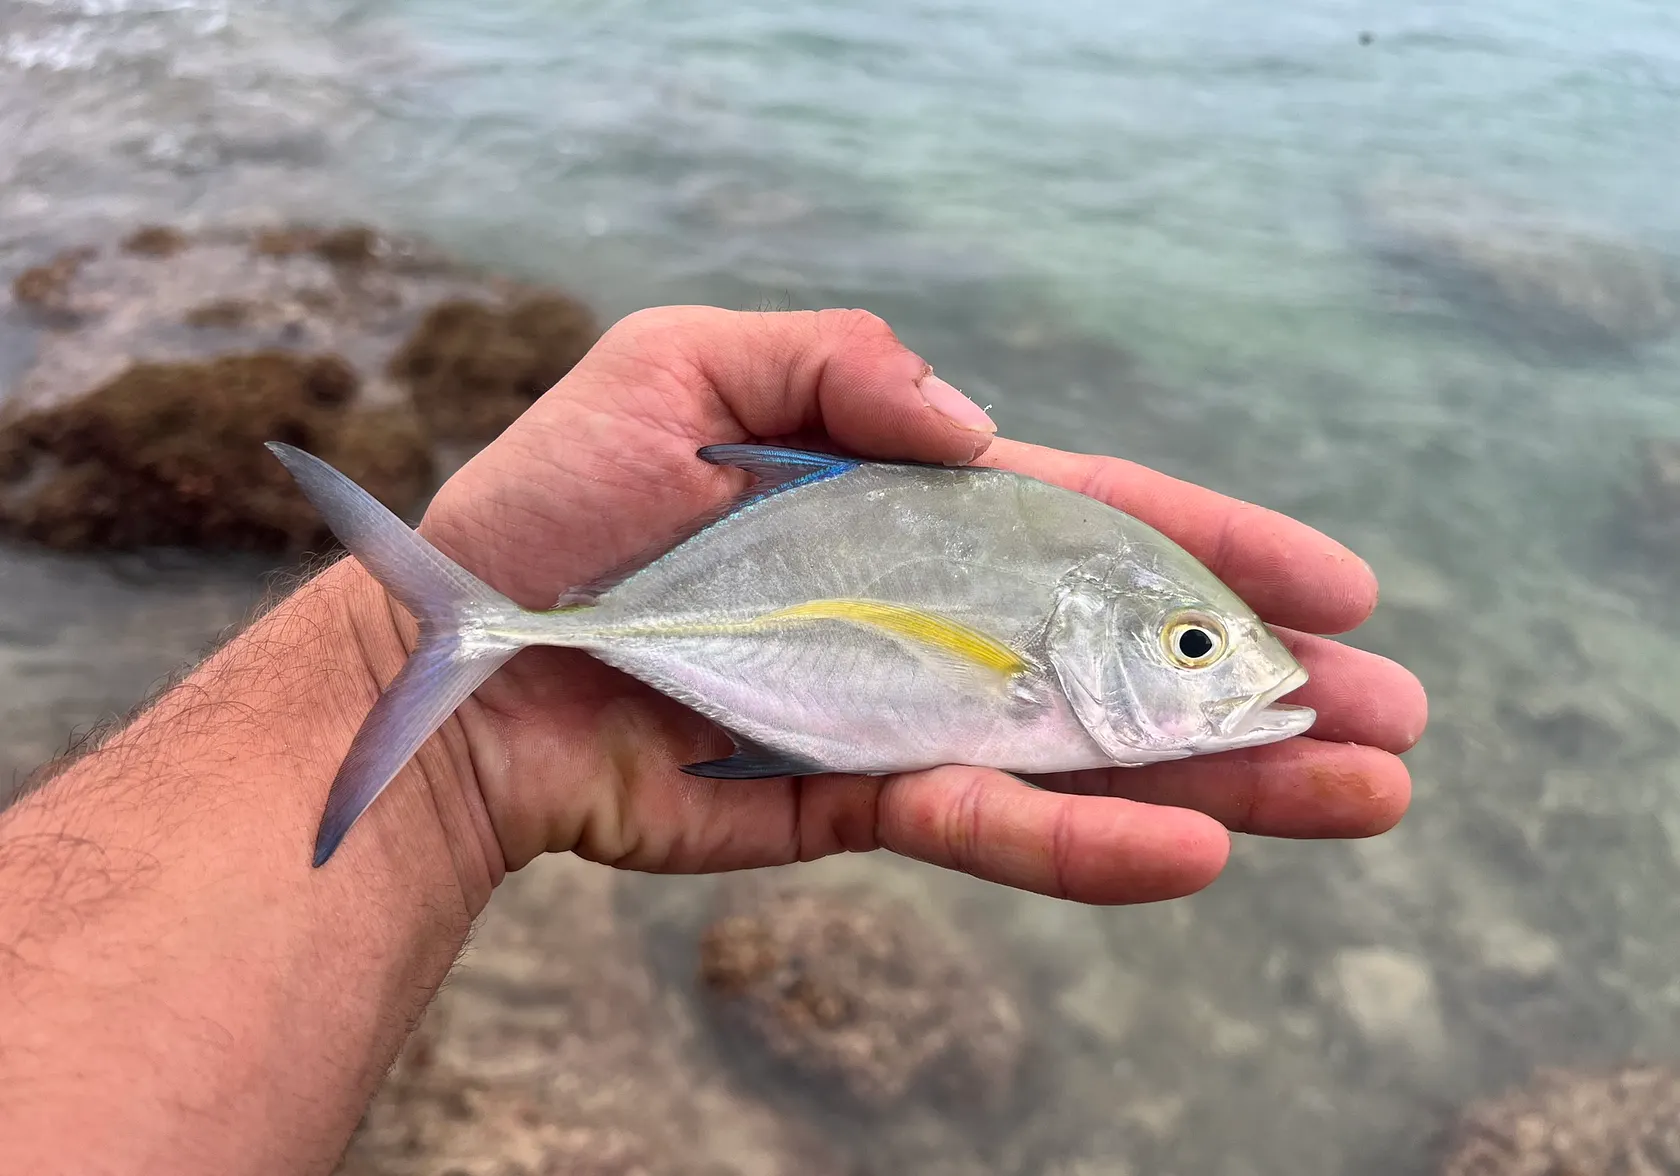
[{"x": 752, "y": 761}]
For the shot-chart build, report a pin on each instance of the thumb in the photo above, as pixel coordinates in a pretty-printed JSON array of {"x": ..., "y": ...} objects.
[{"x": 839, "y": 372}]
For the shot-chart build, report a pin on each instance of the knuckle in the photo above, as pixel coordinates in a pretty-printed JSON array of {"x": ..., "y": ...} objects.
[
  {"x": 1102, "y": 479},
  {"x": 1061, "y": 853},
  {"x": 649, "y": 321},
  {"x": 854, "y": 325},
  {"x": 964, "y": 825}
]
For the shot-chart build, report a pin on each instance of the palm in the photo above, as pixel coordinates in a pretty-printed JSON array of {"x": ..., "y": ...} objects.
[{"x": 573, "y": 755}]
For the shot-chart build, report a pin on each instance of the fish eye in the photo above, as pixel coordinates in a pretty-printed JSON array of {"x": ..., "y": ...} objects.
[{"x": 1194, "y": 641}]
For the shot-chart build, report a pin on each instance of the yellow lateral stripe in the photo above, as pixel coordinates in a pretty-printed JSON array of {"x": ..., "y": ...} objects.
[{"x": 927, "y": 628}]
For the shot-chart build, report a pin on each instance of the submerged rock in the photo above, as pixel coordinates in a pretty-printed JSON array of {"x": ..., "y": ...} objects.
[
  {"x": 551, "y": 1051},
  {"x": 164, "y": 362},
  {"x": 848, "y": 988},
  {"x": 349, "y": 245},
  {"x": 1389, "y": 996},
  {"x": 1621, "y": 1122},
  {"x": 1654, "y": 498},
  {"x": 1521, "y": 267},
  {"x": 46, "y": 288},
  {"x": 155, "y": 240}
]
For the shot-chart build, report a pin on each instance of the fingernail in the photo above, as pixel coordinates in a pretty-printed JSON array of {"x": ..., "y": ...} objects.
[{"x": 954, "y": 406}]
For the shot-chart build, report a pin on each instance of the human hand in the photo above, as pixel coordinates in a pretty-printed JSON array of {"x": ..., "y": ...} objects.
[{"x": 564, "y": 753}]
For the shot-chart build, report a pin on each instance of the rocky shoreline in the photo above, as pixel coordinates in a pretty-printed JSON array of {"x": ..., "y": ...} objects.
[
  {"x": 163, "y": 362},
  {"x": 796, "y": 1021}
]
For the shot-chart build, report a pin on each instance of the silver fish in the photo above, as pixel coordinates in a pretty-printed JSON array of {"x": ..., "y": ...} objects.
[{"x": 855, "y": 616}]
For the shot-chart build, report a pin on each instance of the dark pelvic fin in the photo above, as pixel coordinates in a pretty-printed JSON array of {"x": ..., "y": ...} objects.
[
  {"x": 752, "y": 761},
  {"x": 776, "y": 469}
]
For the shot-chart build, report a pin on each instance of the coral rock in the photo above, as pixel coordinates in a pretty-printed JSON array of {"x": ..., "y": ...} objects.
[
  {"x": 551, "y": 1053},
  {"x": 155, "y": 241},
  {"x": 171, "y": 455},
  {"x": 1524, "y": 269},
  {"x": 847, "y": 988},
  {"x": 474, "y": 368},
  {"x": 166, "y": 362},
  {"x": 46, "y": 288},
  {"x": 1623, "y": 1122}
]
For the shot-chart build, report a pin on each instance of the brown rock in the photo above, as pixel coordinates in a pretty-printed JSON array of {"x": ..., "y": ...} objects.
[
  {"x": 166, "y": 363},
  {"x": 473, "y": 368},
  {"x": 1620, "y": 1122},
  {"x": 223, "y": 312},
  {"x": 155, "y": 241},
  {"x": 346, "y": 245},
  {"x": 846, "y": 987},
  {"x": 171, "y": 455},
  {"x": 46, "y": 288}
]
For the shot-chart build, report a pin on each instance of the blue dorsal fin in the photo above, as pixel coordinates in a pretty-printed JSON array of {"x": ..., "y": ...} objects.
[{"x": 776, "y": 469}]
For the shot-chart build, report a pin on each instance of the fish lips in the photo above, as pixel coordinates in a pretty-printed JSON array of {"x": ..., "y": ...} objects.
[{"x": 1261, "y": 718}]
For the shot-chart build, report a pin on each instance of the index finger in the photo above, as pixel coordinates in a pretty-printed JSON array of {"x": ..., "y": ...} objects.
[
  {"x": 841, "y": 373},
  {"x": 1093, "y": 849},
  {"x": 1288, "y": 572}
]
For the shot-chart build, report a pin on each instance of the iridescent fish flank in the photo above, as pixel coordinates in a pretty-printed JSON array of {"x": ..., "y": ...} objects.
[{"x": 855, "y": 616}]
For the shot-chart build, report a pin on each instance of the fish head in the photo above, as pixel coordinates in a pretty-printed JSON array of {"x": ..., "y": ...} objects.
[{"x": 1160, "y": 660}]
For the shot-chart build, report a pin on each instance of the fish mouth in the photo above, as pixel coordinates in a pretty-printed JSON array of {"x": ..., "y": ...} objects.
[{"x": 1263, "y": 719}]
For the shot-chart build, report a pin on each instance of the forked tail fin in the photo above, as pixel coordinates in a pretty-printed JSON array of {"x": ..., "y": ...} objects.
[{"x": 453, "y": 658}]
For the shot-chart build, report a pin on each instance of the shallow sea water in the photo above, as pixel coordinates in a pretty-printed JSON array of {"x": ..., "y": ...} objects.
[{"x": 1127, "y": 229}]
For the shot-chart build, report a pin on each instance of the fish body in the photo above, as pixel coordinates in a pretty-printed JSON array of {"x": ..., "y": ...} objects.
[{"x": 854, "y": 616}]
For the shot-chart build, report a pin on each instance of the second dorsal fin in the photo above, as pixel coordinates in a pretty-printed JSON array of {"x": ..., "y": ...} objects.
[{"x": 776, "y": 469}]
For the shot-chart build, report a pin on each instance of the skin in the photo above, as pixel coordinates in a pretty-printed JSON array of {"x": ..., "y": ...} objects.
[{"x": 180, "y": 991}]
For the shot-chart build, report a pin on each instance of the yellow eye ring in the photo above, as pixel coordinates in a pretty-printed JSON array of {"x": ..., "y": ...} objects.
[{"x": 1193, "y": 640}]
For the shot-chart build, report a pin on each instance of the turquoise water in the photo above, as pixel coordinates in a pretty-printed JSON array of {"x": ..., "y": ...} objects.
[
  {"x": 1169, "y": 179},
  {"x": 1127, "y": 228}
]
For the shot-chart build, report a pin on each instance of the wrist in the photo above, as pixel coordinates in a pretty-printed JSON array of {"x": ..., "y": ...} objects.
[
  {"x": 181, "y": 963},
  {"x": 443, "y": 774}
]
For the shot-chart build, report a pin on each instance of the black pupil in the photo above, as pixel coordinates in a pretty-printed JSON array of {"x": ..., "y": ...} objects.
[{"x": 1195, "y": 644}]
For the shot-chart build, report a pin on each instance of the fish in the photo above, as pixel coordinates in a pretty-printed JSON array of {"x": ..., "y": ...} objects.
[{"x": 854, "y": 616}]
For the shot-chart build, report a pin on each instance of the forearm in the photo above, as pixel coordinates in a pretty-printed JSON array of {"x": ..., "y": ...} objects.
[{"x": 179, "y": 990}]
